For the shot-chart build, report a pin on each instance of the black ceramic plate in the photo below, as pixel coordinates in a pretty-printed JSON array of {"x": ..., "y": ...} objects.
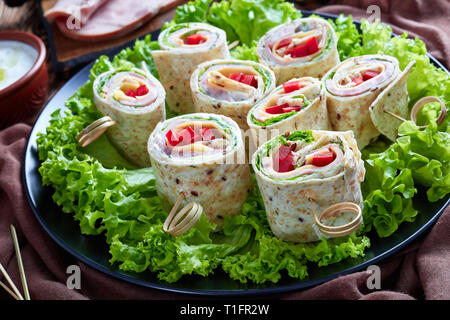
[{"x": 93, "y": 250}]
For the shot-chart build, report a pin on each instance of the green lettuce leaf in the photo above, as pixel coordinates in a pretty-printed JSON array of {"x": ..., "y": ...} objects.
[{"x": 243, "y": 20}]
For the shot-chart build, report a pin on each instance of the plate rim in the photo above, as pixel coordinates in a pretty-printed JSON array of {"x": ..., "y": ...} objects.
[{"x": 301, "y": 285}]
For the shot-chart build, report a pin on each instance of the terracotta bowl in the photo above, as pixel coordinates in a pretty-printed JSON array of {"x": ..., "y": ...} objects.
[{"x": 22, "y": 100}]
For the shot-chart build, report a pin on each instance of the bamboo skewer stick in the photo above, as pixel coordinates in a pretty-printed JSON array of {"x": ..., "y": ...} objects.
[
  {"x": 19, "y": 263},
  {"x": 9, "y": 291},
  {"x": 5, "y": 274},
  {"x": 233, "y": 44}
]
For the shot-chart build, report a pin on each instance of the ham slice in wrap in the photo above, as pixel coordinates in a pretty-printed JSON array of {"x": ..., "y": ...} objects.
[
  {"x": 230, "y": 87},
  {"x": 295, "y": 168},
  {"x": 360, "y": 89},
  {"x": 299, "y": 48},
  {"x": 135, "y": 100},
  {"x": 202, "y": 156},
  {"x": 183, "y": 48},
  {"x": 96, "y": 20},
  {"x": 298, "y": 104}
]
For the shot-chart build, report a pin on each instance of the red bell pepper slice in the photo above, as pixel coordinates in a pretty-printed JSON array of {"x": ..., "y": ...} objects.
[
  {"x": 131, "y": 93},
  {"x": 284, "y": 43},
  {"x": 312, "y": 45},
  {"x": 290, "y": 109},
  {"x": 309, "y": 47},
  {"x": 247, "y": 79},
  {"x": 188, "y": 135},
  {"x": 250, "y": 80},
  {"x": 207, "y": 134},
  {"x": 291, "y": 86},
  {"x": 357, "y": 80},
  {"x": 194, "y": 39},
  {"x": 283, "y": 159},
  {"x": 141, "y": 90},
  {"x": 172, "y": 138},
  {"x": 298, "y": 51},
  {"x": 277, "y": 109},
  {"x": 236, "y": 76},
  {"x": 323, "y": 159},
  {"x": 367, "y": 75}
]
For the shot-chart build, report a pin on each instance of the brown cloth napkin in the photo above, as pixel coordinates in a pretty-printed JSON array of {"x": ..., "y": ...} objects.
[
  {"x": 427, "y": 20},
  {"x": 419, "y": 271}
]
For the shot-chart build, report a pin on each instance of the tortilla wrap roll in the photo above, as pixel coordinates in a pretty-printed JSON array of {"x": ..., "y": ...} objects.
[
  {"x": 202, "y": 156},
  {"x": 183, "y": 48},
  {"x": 352, "y": 88},
  {"x": 299, "y": 48},
  {"x": 135, "y": 100},
  {"x": 230, "y": 87},
  {"x": 298, "y": 104},
  {"x": 324, "y": 166}
]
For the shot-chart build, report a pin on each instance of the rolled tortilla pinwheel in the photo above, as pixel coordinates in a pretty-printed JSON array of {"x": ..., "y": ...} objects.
[
  {"x": 299, "y": 48},
  {"x": 202, "y": 156},
  {"x": 183, "y": 48},
  {"x": 135, "y": 100},
  {"x": 230, "y": 87},
  {"x": 299, "y": 104},
  {"x": 359, "y": 92},
  {"x": 324, "y": 167}
]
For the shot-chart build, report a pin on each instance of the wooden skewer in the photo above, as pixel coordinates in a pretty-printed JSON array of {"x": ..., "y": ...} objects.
[
  {"x": 5, "y": 274},
  {"x": 9, "y": 291},
  {"x": 233, "y": 44},
  {"x": 394, "y": 115},
  {"x": 20, "y": 264},
  {"x": 338, "y": 231}
]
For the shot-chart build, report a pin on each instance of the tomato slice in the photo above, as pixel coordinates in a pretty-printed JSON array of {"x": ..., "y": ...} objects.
[
  {"x": 357, "y": 80},
  {"x": 172, "y": 138},
  {"x": 323, "y": 159},
  {"x": 131, "y": 93},
  {"x": 283, "y": 159},
  {"x": 284, "y": 43},
  {"x": 277, "y": 109},
  {"x": 312, "y": 45},
  {"x": 194, "y": 39},
  {"x": 290, "y": 109},
  {"x": 367, "y": 75},
  {"x": 291, "y": 86},
  {"x": 207, "y": 134}
]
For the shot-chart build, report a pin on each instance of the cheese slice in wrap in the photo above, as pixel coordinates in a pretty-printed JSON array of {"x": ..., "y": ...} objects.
[
  {"x": 183, "y": 48},
  {"x": 291, "y": 170},
  {"x": 298, "y": 104},
  {"x": 202, "y": 156},
  {"x": 230, "y": 87},
  {"x": 135, "y": 100},
  {"x": 299, "y": 48},
  {"x": 358, "y": 91}
]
